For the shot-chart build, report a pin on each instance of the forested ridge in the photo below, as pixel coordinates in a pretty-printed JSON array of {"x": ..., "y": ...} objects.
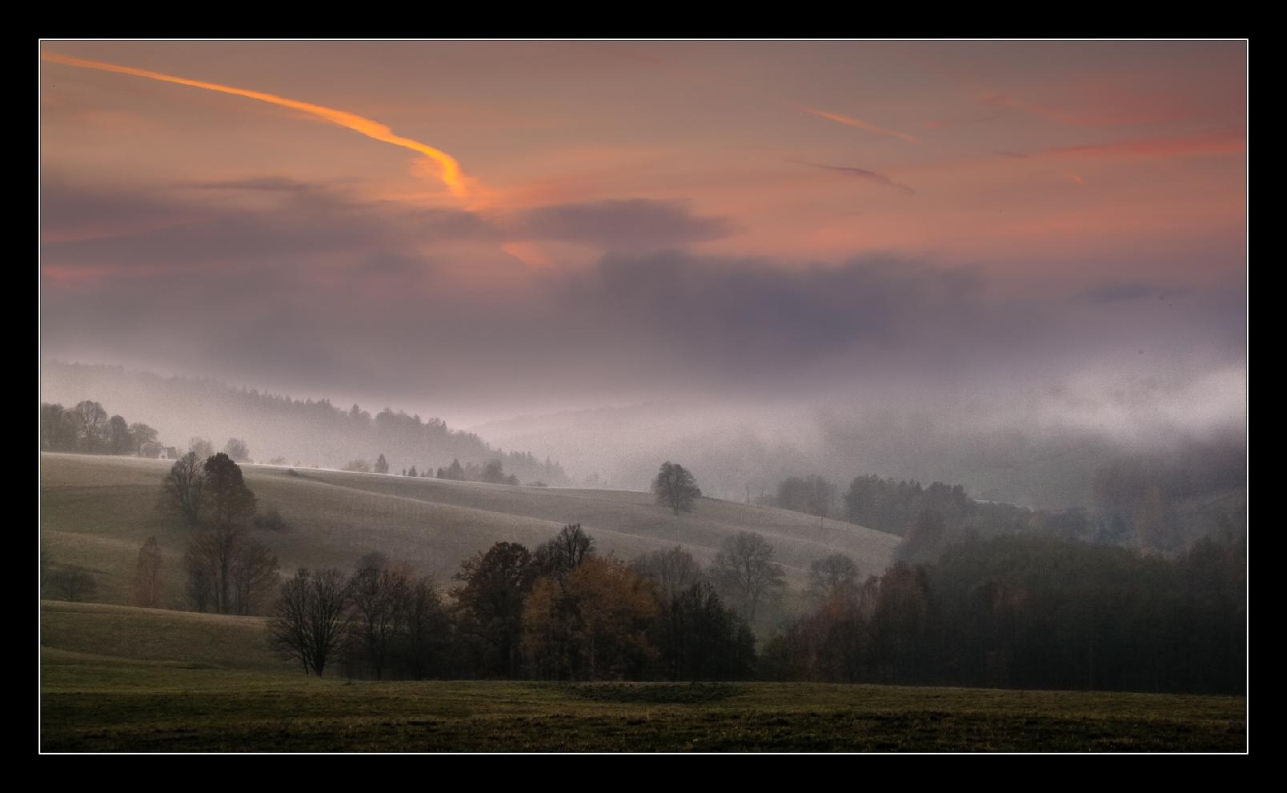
[{"x": 302, "y": 433}]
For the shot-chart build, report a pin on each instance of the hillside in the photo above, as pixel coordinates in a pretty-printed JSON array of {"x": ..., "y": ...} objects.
[
  {"x": 303, "y": 432},
  {"x": 93, "y": 633},
  {"x": 97, "y": 511}
]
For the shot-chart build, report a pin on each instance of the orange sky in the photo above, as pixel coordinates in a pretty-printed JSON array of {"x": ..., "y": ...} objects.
[
  {"x": 1051, "y": 167},
  {"x": 1012, "y": 151}
]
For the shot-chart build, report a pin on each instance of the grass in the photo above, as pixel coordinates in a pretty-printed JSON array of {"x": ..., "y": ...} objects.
[
  {"x": 126, "y": 634},
  {"x": 116, "y": 678},
  {"x": 90, "y": 707},
  {"x": 97, "y": 511},
  {"x": 125, "y": 679}
]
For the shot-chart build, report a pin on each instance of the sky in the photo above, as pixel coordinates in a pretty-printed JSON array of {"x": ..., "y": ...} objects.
[{"x": 477, "y": 230}]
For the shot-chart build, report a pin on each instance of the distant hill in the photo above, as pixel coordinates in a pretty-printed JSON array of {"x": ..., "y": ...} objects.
[
  {"x": 96, "y": 512},
  {"x": 731, "y": 454},
  {"x": 304, "y": 433},
  {"x": 737, "y": 455}
]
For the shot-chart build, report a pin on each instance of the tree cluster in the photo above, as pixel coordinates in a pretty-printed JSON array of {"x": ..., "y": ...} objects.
[
  {"x": 561, "y": 612},
  {"x": 1138, "y": 501},
  {"x": 87, "y": 429},
  {"x": 225, "y": 568},
  {"x": 493, "y": 472},
  {"x": 316, "y": 432},
  {"x": 381, "y": 621},
  {"x": 1030, "y": 612},
  {"x": 813, "y": 495}
]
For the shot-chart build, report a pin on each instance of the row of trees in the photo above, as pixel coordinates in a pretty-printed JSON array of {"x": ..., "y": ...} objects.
[
  {"x": 492, "y": 472},
  {"x": 87, "y": 428},
  {"x": 307, "y": 432},
  {"x": 561, "y": 612},
  {"x": 1138, "y": 501},
  {"x": 888, "y": 505},
  {"x": 1020, "y": 612},
  {"x": 812, "y": 495},
  {"x": 1030, "y": 612},
  {"x": 928, "y": 518}
]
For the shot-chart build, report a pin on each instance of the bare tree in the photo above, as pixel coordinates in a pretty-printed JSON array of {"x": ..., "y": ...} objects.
[
  {"x": 208, "y": 561},
  {"x": 675, "y": 487},
  {"x": 225, "y": 569},
  {"x": 253, "y": 573},
  {"x": 228, "y": 571},
  {"x": 673, "y": 569},
  {"x": 198, "y": 579},
  {"x": 563, "y": 553},
  {"x": 427, "y": 627},
  {"x": 745, "y": 570},
  {"x": 147, "y": 575},
  {"x": 310, "y": 618},
  {"x": 183, "y": 489},
  {"x": 379, "y": 598}
]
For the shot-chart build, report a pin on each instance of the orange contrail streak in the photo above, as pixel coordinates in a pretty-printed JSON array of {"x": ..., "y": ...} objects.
[
  {"x": 859, "y": 123},
  {"x": 452, "y": 174}
]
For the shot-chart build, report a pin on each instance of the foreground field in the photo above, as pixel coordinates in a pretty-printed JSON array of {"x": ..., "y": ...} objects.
[
  {"x": 121, "y": 679},
  {"x": 89, "y": 706},
  {"x": 97, "y": 511}
]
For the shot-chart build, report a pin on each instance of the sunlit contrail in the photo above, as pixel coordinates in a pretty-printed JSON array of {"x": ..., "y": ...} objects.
[
  {"x": 449, "y": 169},
  {"x": 859, "y": 123}
]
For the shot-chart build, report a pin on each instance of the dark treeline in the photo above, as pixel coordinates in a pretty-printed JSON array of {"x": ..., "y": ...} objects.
[
  {"x": 1014, "y": 612},
  {"x": 561, "y": 612},
  {"x": 493, "y": 472},
  {"x": 88, "y": 429},
  {"x": 1032, "y": 612},
  {"x": 1144, "y": 502},
  {"x": 926, "y": 516},
  {"x": 299, "y": 432}
]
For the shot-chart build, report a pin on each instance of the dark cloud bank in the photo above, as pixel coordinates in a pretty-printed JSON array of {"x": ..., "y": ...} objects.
[{"x": 305, "y": 288}]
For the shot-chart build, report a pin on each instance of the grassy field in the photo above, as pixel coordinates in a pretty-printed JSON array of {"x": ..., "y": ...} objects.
[
  {"x": 97, "y": 511},
  {"x": 119, "y": 678},
  {"x": 126, "y": 635},
  {"x": 126, "y": 679}
]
